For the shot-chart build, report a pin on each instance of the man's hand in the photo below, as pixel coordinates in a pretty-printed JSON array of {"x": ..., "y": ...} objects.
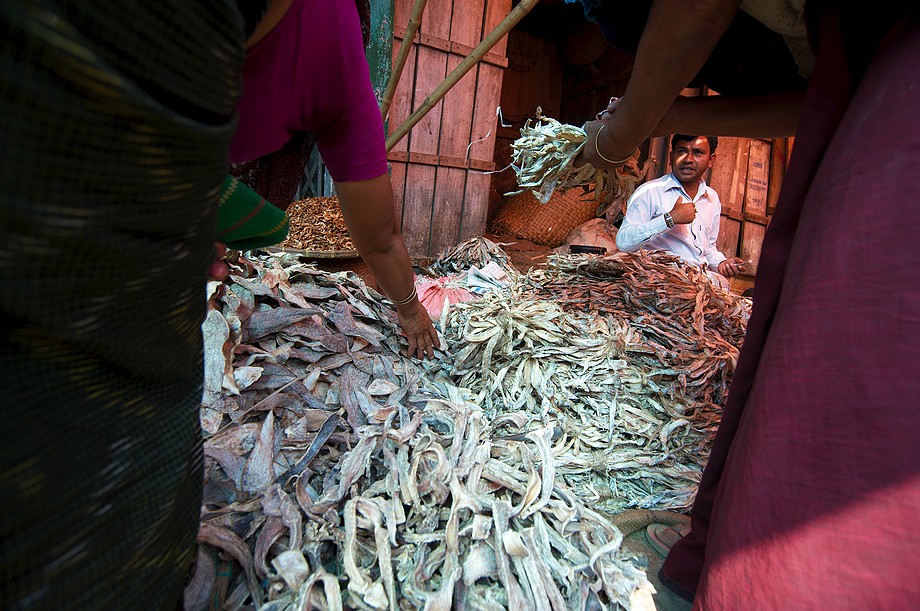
[
  {"x": 731, "y": 267},
  {"x": 416, "y": 325},
  {"x": 683, "y": 212}
]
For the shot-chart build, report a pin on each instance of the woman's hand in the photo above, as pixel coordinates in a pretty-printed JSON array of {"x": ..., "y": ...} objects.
[
  {"x": 418, "y": 329},
  {"x": 611, "y": 107},
  {"x": 601, "y": 149}
]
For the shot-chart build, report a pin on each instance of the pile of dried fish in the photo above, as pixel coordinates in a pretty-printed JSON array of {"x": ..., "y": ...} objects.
[
  {"x": 543, "y": 161},
  {"x": 474, "y": 252},
  {"x": 317, "y": 225},
  {"x": 340, "y": 475},
  {"x": 687, "y": 324},
  {"x": 624, "y": 438},
  {"x": 627, "y": 357}
]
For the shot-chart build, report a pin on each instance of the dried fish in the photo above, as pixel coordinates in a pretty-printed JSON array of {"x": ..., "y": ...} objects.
[
  {"x": 626, "y": 358},
  {"x": 543, "y": 161},
  {"x": 542, "y": 158},
  {"x": 474, "y": 252},
  {"x": 406, "y": 498}
]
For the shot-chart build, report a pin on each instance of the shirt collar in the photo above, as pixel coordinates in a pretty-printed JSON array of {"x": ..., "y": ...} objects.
[{"x": 673, "y": 183}]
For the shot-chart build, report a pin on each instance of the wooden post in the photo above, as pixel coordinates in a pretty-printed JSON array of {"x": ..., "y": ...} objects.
[
  {"x": 411, "y": 30},
  {"x": 471, "y": 60}
]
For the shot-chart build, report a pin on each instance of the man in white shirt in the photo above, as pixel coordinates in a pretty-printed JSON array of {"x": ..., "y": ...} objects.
[{"x": 679, "y": 212}]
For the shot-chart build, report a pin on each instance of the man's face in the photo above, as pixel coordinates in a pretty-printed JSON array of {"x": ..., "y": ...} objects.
[{"x": 690, "y": 159}]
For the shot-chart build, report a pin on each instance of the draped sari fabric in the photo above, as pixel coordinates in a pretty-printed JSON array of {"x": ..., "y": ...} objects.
[{"x": 812, "y": 490}]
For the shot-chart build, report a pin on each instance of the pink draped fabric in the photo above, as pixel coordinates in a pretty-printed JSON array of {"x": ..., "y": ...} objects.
[{"x": 812, "y": 493}]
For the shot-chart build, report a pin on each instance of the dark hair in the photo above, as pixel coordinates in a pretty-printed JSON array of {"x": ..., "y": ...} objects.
[{"x": 713, "y": 141}]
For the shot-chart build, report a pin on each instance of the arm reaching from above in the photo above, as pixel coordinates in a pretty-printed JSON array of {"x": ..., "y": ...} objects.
[{"x": 678, "y": 38}]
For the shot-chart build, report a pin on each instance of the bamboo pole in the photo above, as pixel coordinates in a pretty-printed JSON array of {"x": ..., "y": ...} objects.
[
  {"x": 471, "y": 60},
  {"x": 411, "y": 30}
]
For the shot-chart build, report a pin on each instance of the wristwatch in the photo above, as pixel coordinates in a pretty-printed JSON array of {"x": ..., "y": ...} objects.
[{"x": 668, "y": 220}]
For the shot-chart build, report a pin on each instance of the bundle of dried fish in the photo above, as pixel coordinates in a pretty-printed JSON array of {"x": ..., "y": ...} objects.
[
  {"x": 542, "y": 158},
  {"x": 687, "y": 324},
  {"x": 317, "y": 225},
  {"x": 341, "y": 475},
  {"x": 543, "y": 161},
  {"x": 473, "y": 252}
]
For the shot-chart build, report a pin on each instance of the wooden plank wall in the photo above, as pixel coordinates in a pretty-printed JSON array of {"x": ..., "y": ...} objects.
[
  {"x": 485, "y": 126},
  {"x": 533, "y": 78},
  {"x": 441, "y": 193}
]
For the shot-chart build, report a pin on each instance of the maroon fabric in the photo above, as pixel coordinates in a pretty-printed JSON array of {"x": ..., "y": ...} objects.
[
  {"x": 276, "y": 176},
  {"x": 812, "y": 491}
]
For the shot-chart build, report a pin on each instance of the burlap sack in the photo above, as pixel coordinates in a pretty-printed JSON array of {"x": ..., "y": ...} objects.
[{"x": 524, "y": 217}]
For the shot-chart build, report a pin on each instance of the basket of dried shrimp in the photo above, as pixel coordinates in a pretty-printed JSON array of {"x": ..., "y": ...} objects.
[{"x": 318, "y": 230}]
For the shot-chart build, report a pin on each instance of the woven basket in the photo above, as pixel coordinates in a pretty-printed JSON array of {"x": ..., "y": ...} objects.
[{"x": 549, "y": 224}]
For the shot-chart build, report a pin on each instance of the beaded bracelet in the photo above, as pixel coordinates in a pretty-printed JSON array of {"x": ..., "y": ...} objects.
[
  {"x": 601, "y": 155},
  {"x": 408, "y": 299}
]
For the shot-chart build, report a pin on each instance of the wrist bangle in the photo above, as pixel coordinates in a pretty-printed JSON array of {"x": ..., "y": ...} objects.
[
  {"x": 601, "y": 155},
  {"x": 407, "y": 300},
  {"x": 668, "y": 220}
]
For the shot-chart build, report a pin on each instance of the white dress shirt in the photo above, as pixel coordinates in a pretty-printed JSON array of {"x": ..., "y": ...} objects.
[{"x": 644, "y": 225}]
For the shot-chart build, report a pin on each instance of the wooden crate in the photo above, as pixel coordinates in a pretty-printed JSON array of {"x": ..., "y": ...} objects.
[
  {"x": 441, "y": 193},
  {"x": 757, "y": 182},
  {"x": 751, "y": 240},
  {"x": 729, "y": 235},
  {"x": 729, "y": 175}
]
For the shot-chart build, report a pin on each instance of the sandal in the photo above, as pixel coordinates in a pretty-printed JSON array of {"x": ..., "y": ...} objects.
[{"x": 662, "y": 537}]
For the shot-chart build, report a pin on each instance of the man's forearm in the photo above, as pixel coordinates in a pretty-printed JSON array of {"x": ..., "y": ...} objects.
[
  {"x": 769, "y": 116},
  {"x": 631, "y": 237}
]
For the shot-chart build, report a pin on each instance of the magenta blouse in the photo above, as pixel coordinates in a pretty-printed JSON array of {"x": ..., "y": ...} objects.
[{"x": 310, "y": 74}]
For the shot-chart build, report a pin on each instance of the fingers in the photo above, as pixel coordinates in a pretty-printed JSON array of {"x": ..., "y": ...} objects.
[
  {"x": 423, "y": 347},
  {"x": 611, "y": 106},
  {"x": 431, "y": 341},
  {"x": 219, "y": 270},
  {"x": 423, "y": 343},
  {"x": 731, "y": 267}
]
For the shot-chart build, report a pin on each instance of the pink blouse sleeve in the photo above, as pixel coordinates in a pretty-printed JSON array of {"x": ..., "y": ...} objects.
[
  {"x": 353, "y": 142},
  {"x": 310, "y": 74}
]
